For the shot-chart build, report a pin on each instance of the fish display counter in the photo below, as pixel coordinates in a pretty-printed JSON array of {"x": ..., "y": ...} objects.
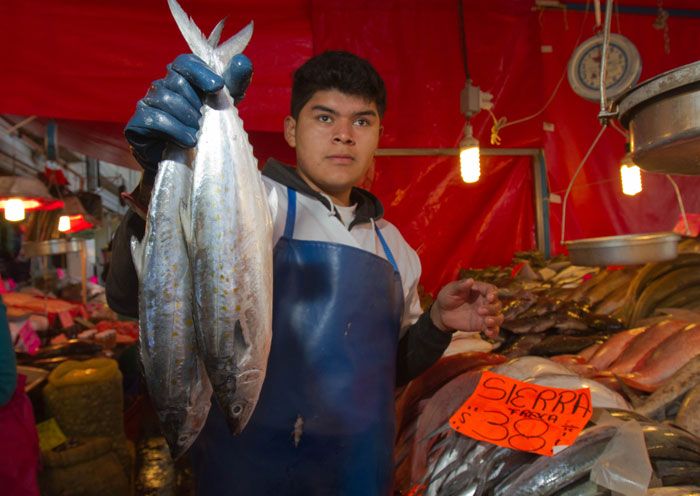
[{"x": 630, "y": 336}]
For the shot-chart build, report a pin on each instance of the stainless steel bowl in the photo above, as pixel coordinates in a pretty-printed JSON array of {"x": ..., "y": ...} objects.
[
  {"x": 663, "y": 116},
  {"x": 52, "y": 247},
  {"x": 630, "y": 249}
]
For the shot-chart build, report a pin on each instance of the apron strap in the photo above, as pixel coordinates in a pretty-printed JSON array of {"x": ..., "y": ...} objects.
[
  {"x": 387, "y": 250},
  {"x": 291, "y": 213}
]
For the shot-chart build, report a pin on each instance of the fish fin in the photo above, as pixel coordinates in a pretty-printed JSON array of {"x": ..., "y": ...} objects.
[
  {"x": 137, "y": 255},
  {"x": 215, "y": 35},
  {"x": 200, "y": 45}
]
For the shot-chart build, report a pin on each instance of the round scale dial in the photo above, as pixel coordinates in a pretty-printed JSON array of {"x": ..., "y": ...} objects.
[{"x": 623, "y": 68}]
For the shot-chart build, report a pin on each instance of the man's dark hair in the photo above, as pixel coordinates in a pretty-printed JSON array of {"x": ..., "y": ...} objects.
[{"x": 336, "y": 70}]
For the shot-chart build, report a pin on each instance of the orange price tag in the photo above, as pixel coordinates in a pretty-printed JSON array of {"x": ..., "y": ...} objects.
[{"x": 523, "y": 416}]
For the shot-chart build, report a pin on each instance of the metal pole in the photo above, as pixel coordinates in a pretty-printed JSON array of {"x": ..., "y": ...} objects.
[
  {"x": 541, "y": 194},
  {"x": 83, "y": 271},
  {"x": 539, "y": 178},
  {"x": 449, "y": 152}
]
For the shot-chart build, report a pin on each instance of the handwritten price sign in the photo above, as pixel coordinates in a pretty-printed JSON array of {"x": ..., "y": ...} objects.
[{"x": 523, "y": 416}]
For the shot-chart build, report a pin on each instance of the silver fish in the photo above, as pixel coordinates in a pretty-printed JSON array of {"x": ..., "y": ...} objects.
[
  {"x": 175, "y": 377},
  {"x": 688, "y": 417},
  {"x": 687, "y": 377},
  {"x": 675, "y": 491},
  {"x": 546, "y": 475},
  {"x": 230, "y": 242}
]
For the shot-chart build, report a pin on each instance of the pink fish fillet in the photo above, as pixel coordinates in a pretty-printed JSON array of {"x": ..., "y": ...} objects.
[
  {"x": 644, "y": 344},
  {"x": 589, "y": 352},
  {"x": 665, "y": 360},
  {"x": 613, "y": 348}
]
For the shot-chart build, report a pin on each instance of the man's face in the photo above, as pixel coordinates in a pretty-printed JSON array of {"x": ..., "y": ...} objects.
[{"x": 335, "y": 137}]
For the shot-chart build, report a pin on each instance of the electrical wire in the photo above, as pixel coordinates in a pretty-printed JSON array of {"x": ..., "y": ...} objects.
[
  {"x": 617, "y": 128},
  {"x": 463, "y": 39},
  {"x": 502, "y": 123},
  {"x": 680, "y": 204},
  {"x": 573, "y": 178}
]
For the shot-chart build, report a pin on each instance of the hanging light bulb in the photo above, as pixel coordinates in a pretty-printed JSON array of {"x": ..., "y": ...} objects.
[
  {"x": 63, "y": 223},
  {"x": 630, "y": 174},
  {"x": 469, "y": 156},
  {"x": 14, "y": 209}
]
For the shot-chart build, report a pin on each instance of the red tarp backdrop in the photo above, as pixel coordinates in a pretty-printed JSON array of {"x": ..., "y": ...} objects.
[{"x": 86, "y": 64}]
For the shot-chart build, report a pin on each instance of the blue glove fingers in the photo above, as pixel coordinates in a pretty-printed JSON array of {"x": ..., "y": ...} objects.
[
  {"x": 197, "y": 73},
  {"x": 154, "y": 123},
  {"x": 172, "y": 103},
  {"x": 177, "y": 83},
  {"x": 237, "y": 76}
]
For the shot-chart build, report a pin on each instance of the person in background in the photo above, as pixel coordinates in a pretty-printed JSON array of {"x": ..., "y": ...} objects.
[
  {"x": 19, "y": 444},
  {"x": 324, "y": 424}
]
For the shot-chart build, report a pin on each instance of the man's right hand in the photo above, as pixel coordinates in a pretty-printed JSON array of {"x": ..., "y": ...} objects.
[{"x": 170, "y": 111}]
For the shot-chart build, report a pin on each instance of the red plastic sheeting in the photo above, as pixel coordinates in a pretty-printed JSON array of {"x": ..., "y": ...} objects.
[
  {"x": 89, "y": 62},
  {"x": 596, "y": 205}
]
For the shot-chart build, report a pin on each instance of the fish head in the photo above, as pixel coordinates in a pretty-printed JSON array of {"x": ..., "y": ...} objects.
[{"x": 241, "y": 407}]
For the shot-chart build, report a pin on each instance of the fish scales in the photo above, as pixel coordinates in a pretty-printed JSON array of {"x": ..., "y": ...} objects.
[
  {"x": 175, "y": 377},
  {"x": 230, "y": 237},
  {"x": 546, "y": 475},
  {"x": 688, "y": 417}
]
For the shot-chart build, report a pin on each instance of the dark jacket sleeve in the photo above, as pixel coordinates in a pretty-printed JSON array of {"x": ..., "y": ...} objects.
[
  {"x": 420, "y": 347},
  {"x": 122, "y": 283},
  {"x": 122, "y": 286}
]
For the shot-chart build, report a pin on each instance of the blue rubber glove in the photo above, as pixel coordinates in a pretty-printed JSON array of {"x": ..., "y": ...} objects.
[{"x": 170, "y": 111}]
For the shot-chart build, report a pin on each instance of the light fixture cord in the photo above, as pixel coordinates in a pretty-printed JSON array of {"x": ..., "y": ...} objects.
[
  {"x": 680, "y": 204},
  {"x": 573, "y": 178},
  {"x": 502, "y": 123},
  {"x": 463, "y": 39}
]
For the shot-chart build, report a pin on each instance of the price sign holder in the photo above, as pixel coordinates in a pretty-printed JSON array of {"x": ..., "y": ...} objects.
[{"x": 523, "y": 416}]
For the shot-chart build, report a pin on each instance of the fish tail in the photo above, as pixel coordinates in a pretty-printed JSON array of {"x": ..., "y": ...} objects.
[
  {"x": 215, "y": 34},
  {"x": 203, "y": 47}
]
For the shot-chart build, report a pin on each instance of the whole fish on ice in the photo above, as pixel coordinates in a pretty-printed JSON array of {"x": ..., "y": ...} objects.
[
  {"x": 229, "y": 237},
  {"x": 175, "y": 377}
]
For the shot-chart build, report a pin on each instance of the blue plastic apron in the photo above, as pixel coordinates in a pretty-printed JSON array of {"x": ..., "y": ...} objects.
[{"x": 324, "y": 423}]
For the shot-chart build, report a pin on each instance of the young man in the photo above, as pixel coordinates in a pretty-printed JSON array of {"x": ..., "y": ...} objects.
[{"x": 347, "y": 324}]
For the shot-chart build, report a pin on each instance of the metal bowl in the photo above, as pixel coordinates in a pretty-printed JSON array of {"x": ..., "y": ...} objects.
[
  {"x": 663, "y": 116},
  {"x": 52, "y": 247},
  {"x": 630, "y": 249}
]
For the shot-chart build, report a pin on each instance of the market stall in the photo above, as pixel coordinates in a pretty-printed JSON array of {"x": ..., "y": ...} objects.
[{"x": 597, "y": 263}]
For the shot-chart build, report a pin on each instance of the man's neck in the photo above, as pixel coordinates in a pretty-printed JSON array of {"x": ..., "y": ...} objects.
[{"x": 342, "y": 198}]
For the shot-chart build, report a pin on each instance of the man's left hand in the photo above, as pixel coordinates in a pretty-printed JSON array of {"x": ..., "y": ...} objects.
[{"x": 468, "y": 305}]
